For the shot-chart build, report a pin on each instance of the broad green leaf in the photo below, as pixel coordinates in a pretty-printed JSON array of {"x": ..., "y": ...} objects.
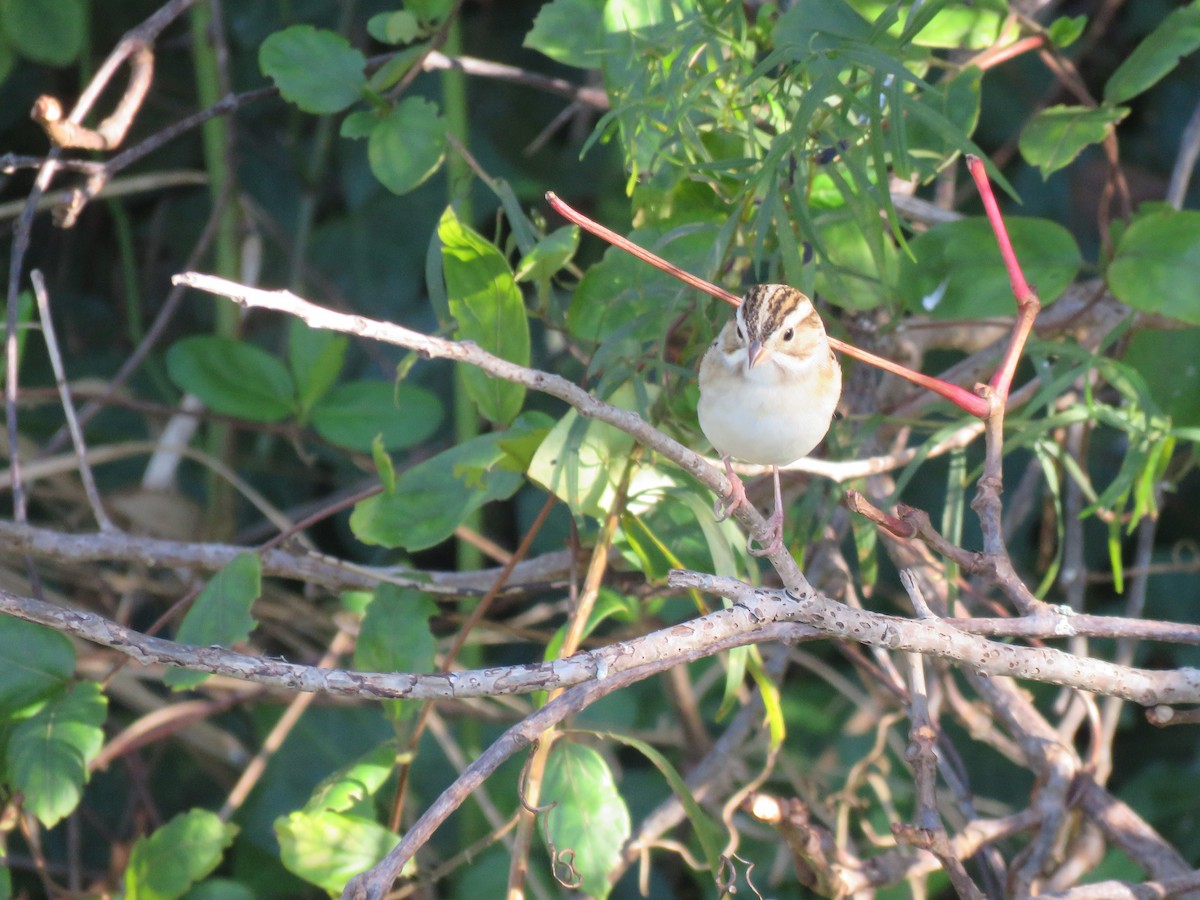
[
  {"x": 430, "y": 11},
  {"x": 958, "y": 273},
  {"x": 328, "y": 848},
  {"x": 315, "y": 358},
  {"x": 1055, "y": 136},
  {"x": 399, "y": 26},
  {"x": 486, "y": 302},
  {"x": 581, "y": 462},
  {"x": 352, "y": 414},
  {"x": 314, "y": 68},
  {"x": 1176, "y": 388},
  {"x": 1175, "y": 37},
  {"x": 433, "y": 497},
  {"x": 359, "y": 124},
  {"x": 348, "y": 787},
  {"x": 1156, "y": 265},
  {"x": 233, "y": 378},
  {"x": 45, "y": 31},
  {"x": 570, "y": 32},
  {"x": 48, "y": 753},
  {"x": 550, "y": 255},
  {"x": 954, "y": 104},
  {"x": 395, "y": 637},
  {"x": 34, "y": 660},
  {"x": 407, "y": 145},
  {"x": 165, "y": 864},
  {"x": 588, "y": 819},
  {"x": 220, "y": 615}
]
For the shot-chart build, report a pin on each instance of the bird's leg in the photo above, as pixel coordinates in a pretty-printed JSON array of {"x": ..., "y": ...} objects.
[
  {"x": 725, "y": 506},
  {"x": 774, "y": 524}
]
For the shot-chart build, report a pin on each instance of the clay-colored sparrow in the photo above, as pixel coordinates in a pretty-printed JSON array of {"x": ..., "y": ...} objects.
[{"x": 769, "y": 385}]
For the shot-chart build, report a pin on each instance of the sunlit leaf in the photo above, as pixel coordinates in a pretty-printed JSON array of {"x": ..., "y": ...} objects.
[
  {"x": 350, "y": 785},
  {"x": 394, "y": 637},
  {"x": 163, "y": 865},
  {"x": 34, "y": 660},
  {"x": 570, "y": 32},
  {"x": 48, "y": 753},
  {"x": 407, "y": 145},
  {"x": 328, "y": 848},
  {"x": 487, "y": 304}
]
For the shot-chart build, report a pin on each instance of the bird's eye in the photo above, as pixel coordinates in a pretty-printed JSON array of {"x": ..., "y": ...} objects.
[
  {"x": 789, "y": 334},
  {"x": 741, "y": 336}
]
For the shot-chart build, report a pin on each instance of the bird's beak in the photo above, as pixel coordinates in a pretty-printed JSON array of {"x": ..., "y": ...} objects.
[{"x": 756, "y": 353}]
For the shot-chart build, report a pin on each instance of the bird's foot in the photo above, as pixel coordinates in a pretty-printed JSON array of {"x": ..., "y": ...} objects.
[
  {"x": 725, "y": 506},
  {"x": 774, "y": 535}
]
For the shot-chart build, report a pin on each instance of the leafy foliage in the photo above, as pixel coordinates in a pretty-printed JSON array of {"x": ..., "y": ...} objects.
[{"x": 816, "y": 142}]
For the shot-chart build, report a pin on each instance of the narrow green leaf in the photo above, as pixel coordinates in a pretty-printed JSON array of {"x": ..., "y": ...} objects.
[
  {"x": 163, "y": 865},
  {"x": 486, "y": 302},
  {"x": 34, "y": 660},
  {"x": 395, "y": 637},
  {"x": 50, "y": 32},
  {"x": 407, "y": 145},
  {"x": 1156, "y": 265},
  {"x": 383, "y": 465},
  {"x": 433, "y": 497},
  {"x": 328, "y": 849},
  {"x": 1066, "y": 30},
  {"x": 48, "y": 753},
  {"x": 220, "y": 615},
  {"x": 589, "y": 819},
  {"x": 314, "y": 68},
  {"x": 352, "y": 414},
  {"x": 233, "y": 378},
  {"x": 315, "y": 358},
  {"x": 708, "y": 832},
  {"x": 349, "y": 786},
  {"x": 1175, "y": 37},
  {"x": 1055, "y": 136}
]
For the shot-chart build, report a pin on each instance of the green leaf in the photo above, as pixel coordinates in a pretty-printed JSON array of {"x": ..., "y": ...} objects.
[
  {"x": 34, "y": 660},
  {"x": 163, "y": 865},
  {"x": 220, "y": 615},
  {"x": 570, "y": 32},
  {"x": 45, "y": 31},
  {"x": 314, "y": 68},
  {"x": 395, "y": 637},
  {"x": 48, "y": 753},
  {"x": 487, "y": 304},
  {"x": 359, "y": 124},
  {"x": 396, "y": 27},
  {"x": 351, "y": 785},
  {"x": 233, "y": 378},
  {"x": 407, "y": 145},
  {"x": 328, "y": 849},
  {"x": 550, "y": 255},
  {"x": 955, "y": 26},
  {"x": 352, "y": 414},
  {"x": 588, "y": 819},
  {"x": 1175, "y": 37},
  {"x": 1055, "y": 136},
  {"x": 1156, "y": 265},
  {"x": 315, "y": 358},
  {"x": 383, "y": 465},
  {"x": 434, "y": 497},
  {"x": 958, "y": 273},
  {"x": 581, "y": 462},
  {"x": 1175, "y": 388},
  {"x": 708, "y": 832},
  {"x": 1066, "y": 30}
]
